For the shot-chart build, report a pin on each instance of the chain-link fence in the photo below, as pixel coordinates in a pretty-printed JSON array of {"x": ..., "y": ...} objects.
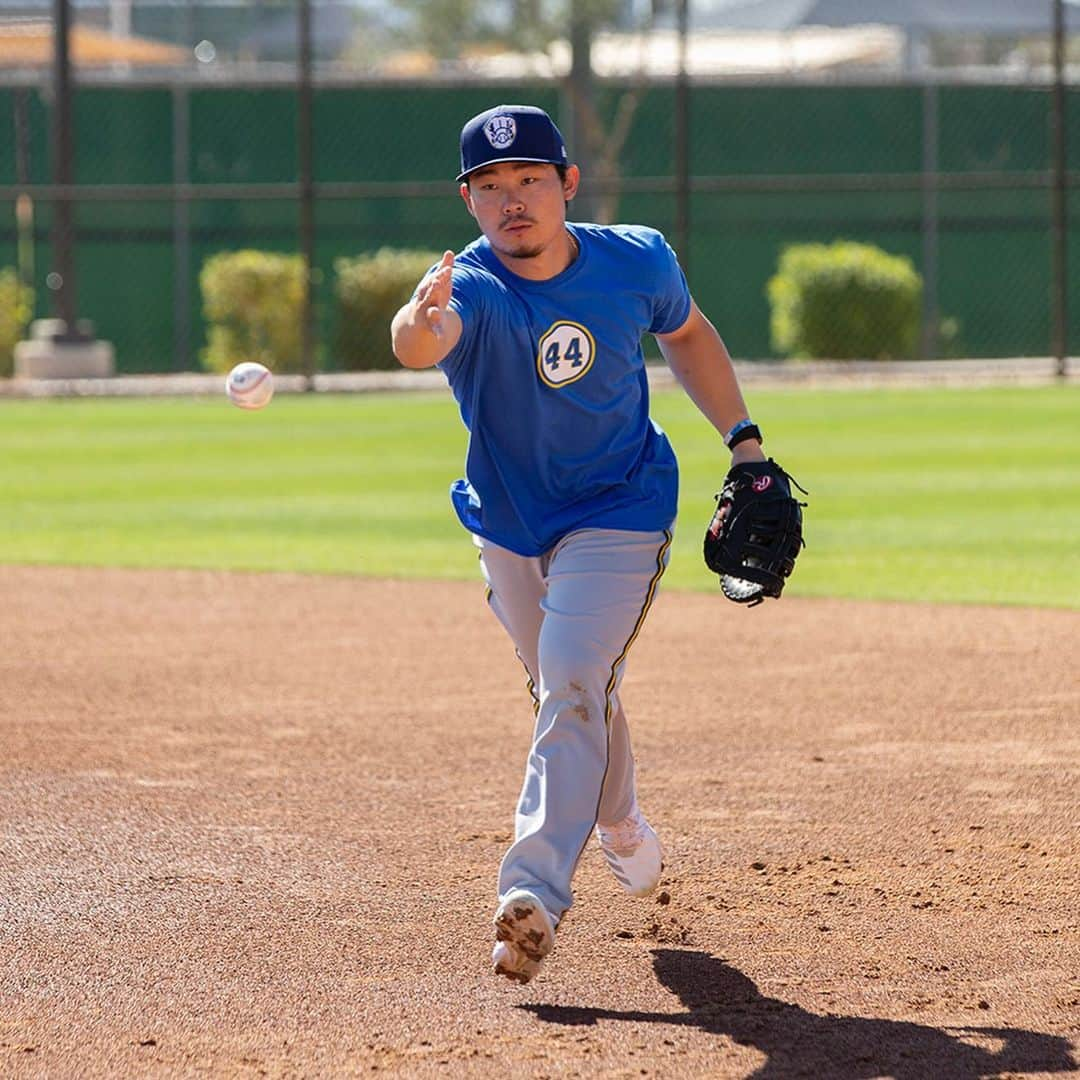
[{"x": 190, "y": 141}]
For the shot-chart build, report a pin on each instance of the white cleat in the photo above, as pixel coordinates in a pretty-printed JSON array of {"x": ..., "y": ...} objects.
[
  {"x": 525, "y": 934},
  {"x": 633, "y": 852}
]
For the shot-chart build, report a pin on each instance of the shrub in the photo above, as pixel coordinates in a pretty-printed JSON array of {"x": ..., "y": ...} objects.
[
  {"x": 844, "y": 301},
  {"x": 370, "y": 289},
  {"x": 253, "y": 302},
  {"x": 16, "y": 307}
]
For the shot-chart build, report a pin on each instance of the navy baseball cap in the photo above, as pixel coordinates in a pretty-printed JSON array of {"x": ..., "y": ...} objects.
[{"x": 510, "y": 133}]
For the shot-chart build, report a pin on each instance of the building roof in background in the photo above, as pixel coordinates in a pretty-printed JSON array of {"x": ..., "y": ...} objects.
[
  {"x": 28, "y": 43},
  {"x": 988, "y": 17}
]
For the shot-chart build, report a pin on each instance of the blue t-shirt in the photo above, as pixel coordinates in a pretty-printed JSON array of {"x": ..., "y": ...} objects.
[{"x": 550, "y": 380}]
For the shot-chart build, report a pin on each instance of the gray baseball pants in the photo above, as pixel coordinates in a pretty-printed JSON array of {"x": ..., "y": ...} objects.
[{"x": 572, "y": 614}]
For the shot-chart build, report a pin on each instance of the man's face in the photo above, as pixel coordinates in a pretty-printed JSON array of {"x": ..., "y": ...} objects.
[{"x": 520, "y": 206}]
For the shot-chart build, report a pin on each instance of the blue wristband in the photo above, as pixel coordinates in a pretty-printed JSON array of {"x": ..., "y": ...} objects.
[{"x": 740, "y": 426}]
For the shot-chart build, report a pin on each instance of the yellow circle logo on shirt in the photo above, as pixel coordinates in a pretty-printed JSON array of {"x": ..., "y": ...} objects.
[{"x": 566, "y": 352}]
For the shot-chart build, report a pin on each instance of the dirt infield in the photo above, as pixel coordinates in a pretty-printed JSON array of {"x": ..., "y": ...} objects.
[{"x": 249, "y": 825}]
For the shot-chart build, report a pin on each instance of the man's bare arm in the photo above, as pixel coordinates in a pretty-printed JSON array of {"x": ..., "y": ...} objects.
[{"x": 699, "y": 360}]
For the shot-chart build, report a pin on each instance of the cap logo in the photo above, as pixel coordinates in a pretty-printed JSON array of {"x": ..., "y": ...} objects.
[{"x": 501, "y": 131}]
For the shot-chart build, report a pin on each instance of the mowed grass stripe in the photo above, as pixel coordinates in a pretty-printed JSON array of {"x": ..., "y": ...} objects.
[
  {"x": 915, "y": 494},
  {"x": 970, "y": 496}
]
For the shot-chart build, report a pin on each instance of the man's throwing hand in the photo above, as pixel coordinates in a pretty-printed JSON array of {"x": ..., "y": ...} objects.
[
  {"x": 427, "y": 328},
  {"x": 435, "y": 292}
]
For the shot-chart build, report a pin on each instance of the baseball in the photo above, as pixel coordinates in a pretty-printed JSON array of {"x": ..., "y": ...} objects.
[{"x": 250, "y": 385}]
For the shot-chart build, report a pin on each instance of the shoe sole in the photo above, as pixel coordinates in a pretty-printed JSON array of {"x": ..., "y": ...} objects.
[{"x": 522, "y": 925}]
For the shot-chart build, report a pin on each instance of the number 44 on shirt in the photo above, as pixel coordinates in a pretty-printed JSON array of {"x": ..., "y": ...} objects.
[{"x": 566, "y": 353}]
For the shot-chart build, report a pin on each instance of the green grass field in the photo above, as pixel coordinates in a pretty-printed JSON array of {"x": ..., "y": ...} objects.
[{"x": 966, "y": 496}]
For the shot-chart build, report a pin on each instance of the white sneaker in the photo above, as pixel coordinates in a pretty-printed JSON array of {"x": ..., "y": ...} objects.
[
  {"x": 525, "y": 934},
  {"x": 633, "y": 852}
]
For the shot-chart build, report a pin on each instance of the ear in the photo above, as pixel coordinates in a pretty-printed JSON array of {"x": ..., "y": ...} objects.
[
  {"x": 570, "y": 184},
  {"x": 463, "y": 189}
]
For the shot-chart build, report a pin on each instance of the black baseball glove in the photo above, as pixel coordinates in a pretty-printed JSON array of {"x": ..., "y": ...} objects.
[{"x": 755, "y": 535}]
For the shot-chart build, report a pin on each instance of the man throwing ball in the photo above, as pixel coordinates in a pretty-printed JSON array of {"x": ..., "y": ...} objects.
[{"x": 570, "y": 488}]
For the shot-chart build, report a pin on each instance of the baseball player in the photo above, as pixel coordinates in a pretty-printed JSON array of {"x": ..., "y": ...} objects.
[{"x": 570, "y": 488}]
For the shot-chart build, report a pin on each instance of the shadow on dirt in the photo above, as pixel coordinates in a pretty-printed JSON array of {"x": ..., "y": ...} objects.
[{"x": 723, "y": 1001}]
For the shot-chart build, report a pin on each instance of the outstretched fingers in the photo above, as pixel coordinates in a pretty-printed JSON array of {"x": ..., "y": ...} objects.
[{"x": 435, "y": 293}]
